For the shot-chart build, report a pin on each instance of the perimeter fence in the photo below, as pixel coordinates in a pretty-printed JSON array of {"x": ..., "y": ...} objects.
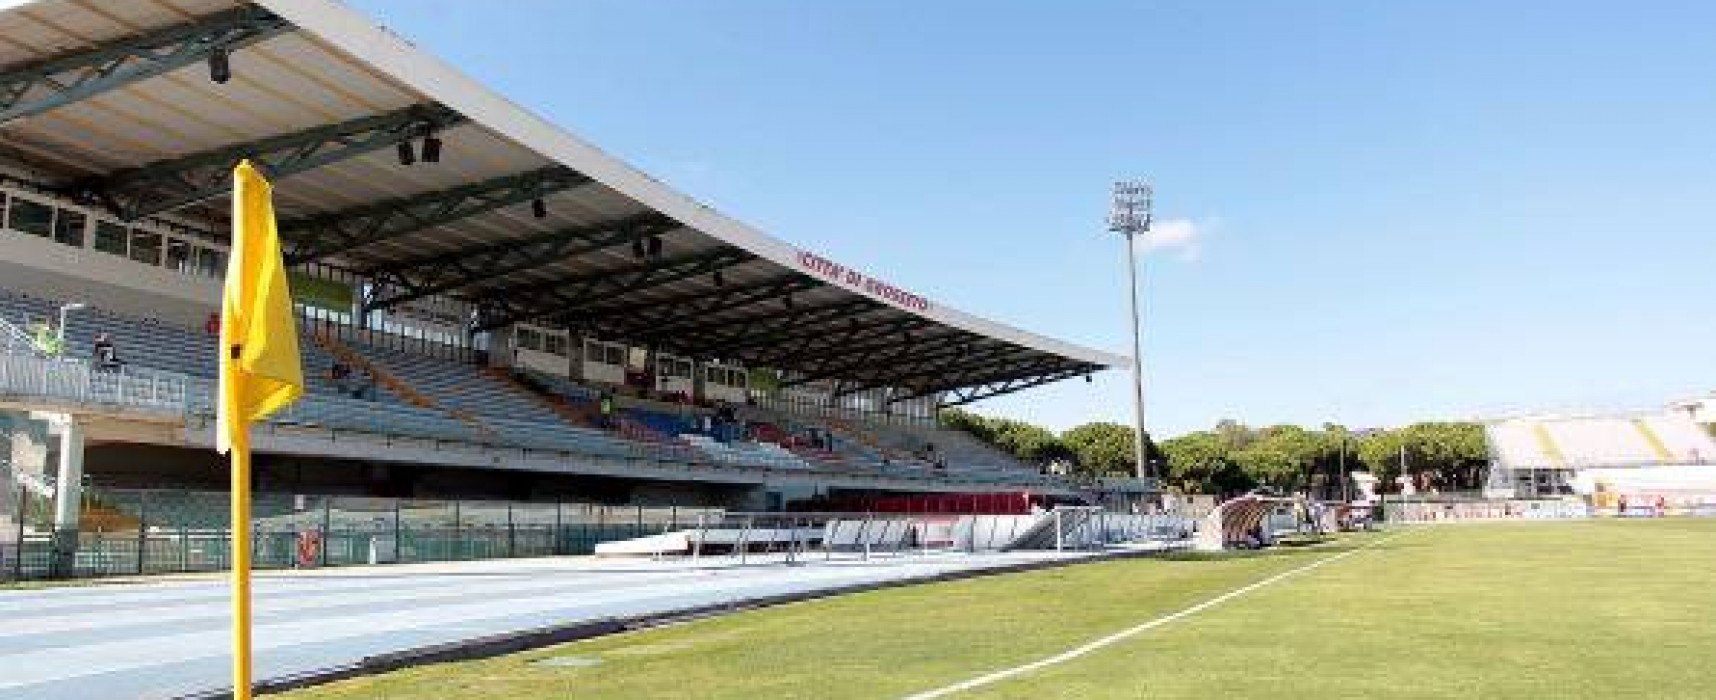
[{"x": 140, "y": 532}]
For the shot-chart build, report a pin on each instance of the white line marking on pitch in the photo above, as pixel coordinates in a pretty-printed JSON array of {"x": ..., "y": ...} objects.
[{"x": 1122, "y": 635}]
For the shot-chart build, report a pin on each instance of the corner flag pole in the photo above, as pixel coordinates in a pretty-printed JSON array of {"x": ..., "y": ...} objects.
[
  {"x": 241, "y": 647},
  {"x": 260, "y": 373}
]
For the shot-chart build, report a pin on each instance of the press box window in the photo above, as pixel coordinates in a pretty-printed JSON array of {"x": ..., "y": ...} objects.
[
  {"x": 529, "y": 339},
  {"x": 555, "y": 344},
  {"x": 31, "y": 217},
  {"x": 111, "y": 238},
  {"x": 178, "y": 255},
  {"x": 146, "y": 246},
  {"x": 211, "y": 262},
  {"x": 69, "y": 226}
]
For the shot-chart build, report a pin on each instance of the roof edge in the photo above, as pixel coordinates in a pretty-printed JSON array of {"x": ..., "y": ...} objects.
[{"x": 358, "y": 35}]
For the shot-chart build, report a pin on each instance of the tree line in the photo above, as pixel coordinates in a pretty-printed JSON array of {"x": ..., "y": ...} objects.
[{"x": 1233, "y": 457}]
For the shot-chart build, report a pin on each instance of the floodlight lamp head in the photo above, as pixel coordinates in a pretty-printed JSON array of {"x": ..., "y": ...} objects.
[
  {"x": 220, "y": 65},
  {"x": 1131, "y": 210},
  {"x": 431, "y": 147}
]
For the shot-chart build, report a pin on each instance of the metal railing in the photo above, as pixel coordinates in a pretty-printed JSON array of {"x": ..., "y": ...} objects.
[
  {"x": 74, "y": 381},
  {"x": 141, "y": 532},
  {"x": 13, "y": 340},
  {"x": 29, "y": 376},
  {"x": 775, "y": 538}
]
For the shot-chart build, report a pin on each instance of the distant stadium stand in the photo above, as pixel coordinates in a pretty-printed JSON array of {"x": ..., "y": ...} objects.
[{"x": 1647, "y": 455}]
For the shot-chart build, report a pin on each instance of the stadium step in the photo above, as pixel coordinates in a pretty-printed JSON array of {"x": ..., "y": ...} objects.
[
  {"x": 555, "y": 403},
  {"x": 390, "y": 381},
  {"x": 1655, "y": 442},
  {"x": 1546, "y": 443}
]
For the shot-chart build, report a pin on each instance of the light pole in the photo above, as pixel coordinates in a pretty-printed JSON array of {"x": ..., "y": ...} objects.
[
  {"x": 66, "y": 309},
  {"x": 1130, "y": 215}
]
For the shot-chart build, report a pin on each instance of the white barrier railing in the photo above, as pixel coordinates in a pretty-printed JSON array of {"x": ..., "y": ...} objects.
[
  {"x": 1433, "y": 511},
  {"x": 789, "y": 537},
  {"x": 28, "y": 376}
]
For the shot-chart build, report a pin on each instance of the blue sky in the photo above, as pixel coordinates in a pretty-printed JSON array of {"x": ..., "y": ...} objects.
[{"x": 1378, "y": 212}]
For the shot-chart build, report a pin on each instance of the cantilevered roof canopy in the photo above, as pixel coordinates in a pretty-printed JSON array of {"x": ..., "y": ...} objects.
[{"x": 113, "y": 102}]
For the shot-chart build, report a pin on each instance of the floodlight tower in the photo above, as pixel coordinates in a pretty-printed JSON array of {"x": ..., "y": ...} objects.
[{"x": 1130, "y": 216}]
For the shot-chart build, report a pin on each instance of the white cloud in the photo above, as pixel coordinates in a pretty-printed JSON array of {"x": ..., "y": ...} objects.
[{"x": 1182, "y": 236}]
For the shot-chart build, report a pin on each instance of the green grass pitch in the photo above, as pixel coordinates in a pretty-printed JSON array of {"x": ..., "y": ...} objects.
[{"x": 1596, "y": 609}]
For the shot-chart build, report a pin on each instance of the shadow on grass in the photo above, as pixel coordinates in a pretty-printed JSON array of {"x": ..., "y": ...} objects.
[{"x": 1296, "y": 547}]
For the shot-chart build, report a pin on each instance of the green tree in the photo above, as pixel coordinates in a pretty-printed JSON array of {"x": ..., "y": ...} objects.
[
  {"x": 1105, "y": 449},
  {"x": 1201, "y": 462},
  {"x": 1026, "y": 442}
]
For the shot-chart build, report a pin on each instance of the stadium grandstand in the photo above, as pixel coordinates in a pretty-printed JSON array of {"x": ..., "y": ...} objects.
[
  {"x": 490, "y": 308},
  {"x": 1604, "y": 458}
]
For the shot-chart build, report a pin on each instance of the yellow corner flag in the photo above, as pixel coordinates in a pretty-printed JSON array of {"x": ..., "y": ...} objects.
[{"x": 259, "y": 373}]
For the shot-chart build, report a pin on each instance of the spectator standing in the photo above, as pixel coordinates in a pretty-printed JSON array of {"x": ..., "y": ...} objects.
[
  {"x": 366, "y": 388},
  {"x": 103, "y": 354},
  {"x": 341, "y": 373},
  {"x": 606, "y": 405},
  {"x": 46, "y": 339}
]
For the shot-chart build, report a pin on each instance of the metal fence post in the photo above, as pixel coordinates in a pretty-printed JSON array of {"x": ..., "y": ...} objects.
[
  {"x": 744, "y": 543},
  {"x": 697, "y": 545},
  {"x": 457, "y": 545},
  {"x": 864, "y": 534},
  {"x": 18, "y": 561},
  {"x": 327, "y": 529},
  {"x": 142, "y": 529},
  {"x": 511, "y": 533},
  {"x": 1058, "y": 534},
  {"x": 398, "y": 535},
  {"x": 559, "y": 529}
]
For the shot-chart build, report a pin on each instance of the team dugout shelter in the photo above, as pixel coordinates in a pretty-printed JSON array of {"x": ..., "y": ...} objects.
[{"x": 416, "y": 203}]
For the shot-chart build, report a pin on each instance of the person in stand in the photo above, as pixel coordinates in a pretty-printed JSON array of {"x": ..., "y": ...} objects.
[
  {"x": 105, "y": 358},
  {"x": 341, "y": 373},
  {"x": 46, "y": 339},
  {"x": 606, "y": 406},
  {"x": 366, "y": 387}
]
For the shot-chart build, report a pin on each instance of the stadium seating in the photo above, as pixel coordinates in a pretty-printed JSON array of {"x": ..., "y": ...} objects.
[
  {"x": 422, "y": 397},
  {"x": 1600, "y": 441},
  {"x": 453, "y": 385}
]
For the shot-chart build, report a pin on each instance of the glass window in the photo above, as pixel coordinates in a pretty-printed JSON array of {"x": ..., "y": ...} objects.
[
  {"x": 178, "y": 255},
  {"x": 145, "y": 246},
  {"x": 555, "y": 344},
  {"x": 616, "y": 355},
  {"x": 211, "y": 262},
  {"x": 111, "y": 238},
  {"x": 32, "y": 217},
  {"x": 529, "y": 339},
  {"x": 69, "y": 226}
]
